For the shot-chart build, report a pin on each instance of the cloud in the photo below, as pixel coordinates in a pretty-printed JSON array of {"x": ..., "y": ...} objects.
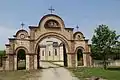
[{"x": 5, "y": 33}]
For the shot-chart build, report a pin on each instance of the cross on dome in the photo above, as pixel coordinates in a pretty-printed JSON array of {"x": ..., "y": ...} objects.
[
  {"x": 51, "y": 9},
  {"x": 22, "y": 25}
]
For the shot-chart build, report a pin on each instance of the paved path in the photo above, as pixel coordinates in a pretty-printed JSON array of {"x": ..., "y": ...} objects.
[
  {"x": 49, "y": 72},
  {"x": 56, "y": 73}
]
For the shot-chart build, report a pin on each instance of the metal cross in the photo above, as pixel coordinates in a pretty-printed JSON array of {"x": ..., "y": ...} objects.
[
  {"x": 77, "y": 27},
  {"x": 22, "y": 25},
  {"x": 51, "y": 9}
]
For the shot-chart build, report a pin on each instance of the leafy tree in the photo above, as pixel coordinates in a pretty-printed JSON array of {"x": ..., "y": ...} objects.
[
  {"x": 103, "y": 42},
  {"x": 95, "y": 54}
]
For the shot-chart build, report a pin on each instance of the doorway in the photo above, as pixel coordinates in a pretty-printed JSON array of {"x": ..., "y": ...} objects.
[
  {"x": 21, "y": 59},
  {"x": 79, "y": 57}
]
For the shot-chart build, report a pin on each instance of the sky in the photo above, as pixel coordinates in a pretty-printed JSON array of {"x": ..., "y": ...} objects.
[{"x": 87, "y": 14}]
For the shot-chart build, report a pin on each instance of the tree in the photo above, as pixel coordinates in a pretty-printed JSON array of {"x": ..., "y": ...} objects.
[
  {"x": 103, "y": 41},
  {"x": 2, "y": 52},
  {"x": 95, "y": 54}
]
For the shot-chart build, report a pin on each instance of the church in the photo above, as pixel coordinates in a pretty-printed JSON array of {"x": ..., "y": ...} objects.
[{"x": 49, "y": 41}]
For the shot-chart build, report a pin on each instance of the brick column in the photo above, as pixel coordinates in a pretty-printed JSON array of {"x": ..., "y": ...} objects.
[
  {"x": 11, "y": 62},
  {"x": 6, "y": 64},
  {"x": 35, "y": 61},
  {"x": 27, "y": 62},
  {"x": 84, "y": 59},
  {"x": 87, "y": 59},
  {"x": 71, "y": 60},
  {"x": 15, "y": 62}
]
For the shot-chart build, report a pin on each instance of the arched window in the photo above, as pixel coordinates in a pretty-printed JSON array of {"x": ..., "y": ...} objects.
[
  {"x": 43, "y": 53},
  {"x": 51, "y": 23},
  {"x": 55, "y": 52}
]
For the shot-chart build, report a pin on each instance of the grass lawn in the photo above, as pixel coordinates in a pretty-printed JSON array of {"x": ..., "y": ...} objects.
[
  {"x": 109, "y": 74},
  {"x": 20, "y": 75}
]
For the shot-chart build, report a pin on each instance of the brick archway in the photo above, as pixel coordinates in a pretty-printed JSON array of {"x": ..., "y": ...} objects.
[
  {"x": 21, "y": 59},
  {"x": 79, "y": 52},
  {"x": 55, "y": 35},
  {"x": 17, "y": 60},
  {"x": 21, "y": 47},
  {"x": 59, "y": 37}
]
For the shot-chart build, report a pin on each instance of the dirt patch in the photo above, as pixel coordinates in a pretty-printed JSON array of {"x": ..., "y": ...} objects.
[{"x": 20, "y": 75}]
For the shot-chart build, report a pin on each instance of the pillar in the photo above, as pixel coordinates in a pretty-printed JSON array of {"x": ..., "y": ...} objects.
[
  {"x": 85, "y": 59},
  {"x": 35, "y": 61},
  {"x": 61, "y": 53},
  {"x": 27, "y": 62},
  {"x": 7, "y": 63},
  {"x": 69, "y": 60},
  {"x": 15, "y": 62},
  {"x": 11, "y": 62}
]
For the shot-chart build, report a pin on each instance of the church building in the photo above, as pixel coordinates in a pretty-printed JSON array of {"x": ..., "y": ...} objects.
[{"x": 49, "y": 41}]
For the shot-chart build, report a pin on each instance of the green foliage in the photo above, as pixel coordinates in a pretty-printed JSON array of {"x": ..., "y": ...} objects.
[
  {"x": 103, "y": 42},
  {"x": 2, "y": 53},
  {"x": 95, "y": 54}
]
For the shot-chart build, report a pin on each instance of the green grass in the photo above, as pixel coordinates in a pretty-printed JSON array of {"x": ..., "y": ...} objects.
[{"x": 109, "y": 74}]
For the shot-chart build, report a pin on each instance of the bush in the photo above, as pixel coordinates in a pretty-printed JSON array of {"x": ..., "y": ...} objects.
[{"x": 2, "y": 53}]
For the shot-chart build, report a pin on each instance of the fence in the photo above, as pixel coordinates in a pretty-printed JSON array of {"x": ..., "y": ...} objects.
[{"x": 99, "y": 63}]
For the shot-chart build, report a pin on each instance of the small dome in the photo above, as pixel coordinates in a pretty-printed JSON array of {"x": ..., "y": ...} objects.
[
  {"x": 78, "y": 36},
  {"x": 21, "y": 34}
]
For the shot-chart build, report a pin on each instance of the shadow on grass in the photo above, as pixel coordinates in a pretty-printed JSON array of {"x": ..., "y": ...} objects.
[{"x": 114, "y": 69}]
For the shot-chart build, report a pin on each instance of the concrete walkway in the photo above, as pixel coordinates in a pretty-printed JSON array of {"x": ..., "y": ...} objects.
[{"x": 56, "y": 73}]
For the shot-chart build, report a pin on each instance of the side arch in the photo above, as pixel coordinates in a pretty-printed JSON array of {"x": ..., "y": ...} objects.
[
  {"x": 79, "y": 47},
  {"x": 79, "y": 52},
  {"x": 21, "y": 47},
  {"x": 20, "y": 58}
]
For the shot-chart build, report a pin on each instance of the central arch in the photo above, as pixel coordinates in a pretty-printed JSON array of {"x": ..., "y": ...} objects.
[{"x": 57, "y": 36}]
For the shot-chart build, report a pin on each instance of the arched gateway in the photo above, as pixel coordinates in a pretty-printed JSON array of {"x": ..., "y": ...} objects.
[{"x": 50, "y": 41}]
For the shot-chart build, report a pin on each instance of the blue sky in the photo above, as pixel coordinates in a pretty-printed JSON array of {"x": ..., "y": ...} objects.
[{"x": 88, "y": 14}]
